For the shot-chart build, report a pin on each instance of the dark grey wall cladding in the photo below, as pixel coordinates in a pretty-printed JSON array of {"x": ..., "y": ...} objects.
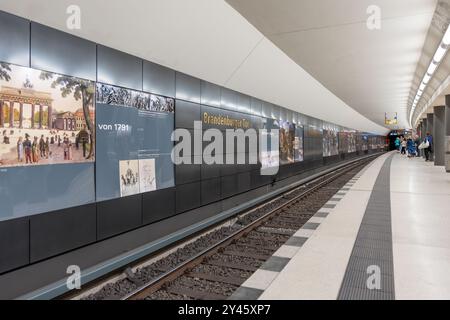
[
  {"x": 188, "y": 197},
  {"x": 158, "y": 205},
  {"x": 187, "y": 113},
  {"x": 14, "y": 39},
  {"x": 118, "y": 68},
  {"x": 210, "y": 94},
  {"x": 187, "y": 88},
  {"x": 211, "y": 191},
  {"x": 187, "y": 173},
  {"x": 57, "y": 51},
  {"x": 158, "y": 79},
  {"x": 60, "y": 231},
  {"x": 118, "y": 216},
  {"x": 14, "y": 244}
]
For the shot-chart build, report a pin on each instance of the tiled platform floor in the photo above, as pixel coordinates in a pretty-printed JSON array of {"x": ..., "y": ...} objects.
[{"x": 314, "y": 264}]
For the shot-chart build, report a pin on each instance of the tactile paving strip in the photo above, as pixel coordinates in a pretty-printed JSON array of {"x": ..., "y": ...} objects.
[{"x": 370, "y": 270}]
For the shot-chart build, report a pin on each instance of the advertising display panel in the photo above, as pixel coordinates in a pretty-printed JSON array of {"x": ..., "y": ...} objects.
[{"x": 133, "y": 142}]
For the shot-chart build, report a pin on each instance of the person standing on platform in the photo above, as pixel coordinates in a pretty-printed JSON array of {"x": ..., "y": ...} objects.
[
  {"x": 397, "y": 144},
  {"x": 404, "y": 145},
  {"x": 417, "y": 143},
  {"x": 411, "y": 148},
  {"x": 429, "y": 150}
]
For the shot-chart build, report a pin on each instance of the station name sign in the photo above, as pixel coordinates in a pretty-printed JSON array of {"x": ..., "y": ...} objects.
[{"x": 225, "y": 121}]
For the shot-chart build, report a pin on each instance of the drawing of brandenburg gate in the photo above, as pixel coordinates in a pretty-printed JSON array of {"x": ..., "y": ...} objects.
[{"x": 25, "y": 96}]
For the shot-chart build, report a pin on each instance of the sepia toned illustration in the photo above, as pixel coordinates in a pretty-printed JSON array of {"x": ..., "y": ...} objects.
[
  {"x": 147, "y": 175},
  {"x": 45, "y": 118},
  {"x": 287, "y": 138},
  {"x": 117, "y": 96},
  {"x": 330, "y": 143},
  {"x": 129, "y": 177},
  {"x": 298, "y": 144}
]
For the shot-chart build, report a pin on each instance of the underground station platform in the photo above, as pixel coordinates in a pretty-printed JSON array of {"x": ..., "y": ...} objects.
[{"x": 225, "y": 157}]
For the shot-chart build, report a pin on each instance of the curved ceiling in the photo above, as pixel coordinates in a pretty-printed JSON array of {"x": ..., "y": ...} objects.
[
  {"x": 372, "y": 71},
  {"x": 439, "y": 84},
  {"x": 211, "y": 40}
]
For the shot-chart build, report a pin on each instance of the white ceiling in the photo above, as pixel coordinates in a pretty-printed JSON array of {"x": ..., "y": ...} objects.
[
  {"x": 371, "y": 71},
  {"x": 211, "y": 40}
]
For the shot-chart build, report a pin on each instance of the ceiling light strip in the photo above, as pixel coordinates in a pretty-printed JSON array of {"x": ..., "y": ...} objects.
[{"x": 434, "y": 64}]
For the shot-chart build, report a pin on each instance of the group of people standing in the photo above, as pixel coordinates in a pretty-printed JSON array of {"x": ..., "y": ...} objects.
[
  {"x": 32, "y": 151},
  {"x": 411, "y": 147}
]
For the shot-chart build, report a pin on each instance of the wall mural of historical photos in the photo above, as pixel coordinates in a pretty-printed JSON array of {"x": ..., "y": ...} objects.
[
  {"x": 134, "y": 149},
  {"x": 330, "y": 142},
  {"x": 291, "y": 143},
  {"x": 351, "y": 141},
  {"x": 287, "y": 139},
  {"x": 137, "y": 176},
  {"x": 298, "y": 144},
  {"x": 45, "y": 118},
  {"x": 271, "y": 157},
  {"x": 111, "y": 95}
]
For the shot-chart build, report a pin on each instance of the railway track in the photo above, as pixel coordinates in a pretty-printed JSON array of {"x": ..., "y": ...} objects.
[{"x": 214, "y": 266}]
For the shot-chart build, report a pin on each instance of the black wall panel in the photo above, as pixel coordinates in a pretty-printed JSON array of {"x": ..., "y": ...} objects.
[
  {"x": 14, "y": 244},
  {"x": 57, "y": 51},
  {"x": 187, "y": 113},
  {"x": 187, "y": 173},
  {"x": 210, "y": 171},
  {"x": 244, "y": 182},
  {"x": 158, "y": 205},
  {"x": 118, "y": 215},
  {"x": 158, "y": 79},
  {"x": 118, "y": 68},
  {"x": 187, "y": 88},
  {"x": 229, "y": 186},
  {"x": 60, "y": 231},
  {"x": 211, "y": 191},
  {"x": 188, "y": 197},
  {"x": 228, "y": 169},
  {"x": 14, "y": 39}
]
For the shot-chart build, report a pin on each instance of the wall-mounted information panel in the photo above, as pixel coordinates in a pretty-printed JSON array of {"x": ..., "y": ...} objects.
[
  {"x": 47, "y": 141},
  {"x": 133, "y": 142}
]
